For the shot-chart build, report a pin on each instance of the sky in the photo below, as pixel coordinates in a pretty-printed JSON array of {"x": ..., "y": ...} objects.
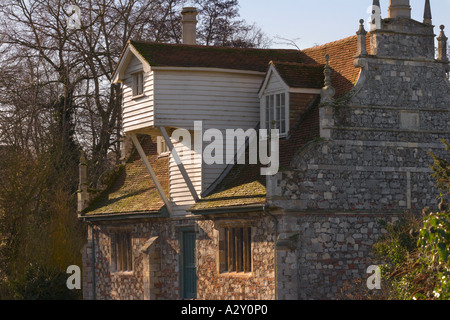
[{"x": 315, "y": 22}]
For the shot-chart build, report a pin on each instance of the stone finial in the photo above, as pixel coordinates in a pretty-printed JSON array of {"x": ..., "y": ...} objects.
[
  {"x": 442, "y": 45},
  {"x": 328, "y": 91},
  {"x": 427, "y": 18},
  {"x": 82, "y": 193},
  {"x": 362, "y": 44}
]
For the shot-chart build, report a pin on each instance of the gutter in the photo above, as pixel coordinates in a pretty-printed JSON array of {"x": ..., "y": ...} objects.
[
  {"x": 234, "y": 209},
  {"x": 275, "y": 221},
  {"x": 124, "y": 216}
]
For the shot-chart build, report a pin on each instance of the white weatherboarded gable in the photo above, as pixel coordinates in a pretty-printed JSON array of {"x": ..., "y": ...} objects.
[
  {"x": 137, "y": 112},
  {"x": 221, "y": 99},
  {"x": 273, "y": 83}
]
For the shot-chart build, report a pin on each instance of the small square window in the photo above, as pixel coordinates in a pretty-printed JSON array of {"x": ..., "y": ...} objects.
[
  {"x": 121, "y": 252},
  {"x": 138, "y": 84}
]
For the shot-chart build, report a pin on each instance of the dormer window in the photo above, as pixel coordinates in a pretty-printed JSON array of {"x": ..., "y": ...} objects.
[
  {"x": 276, "y": 112},
  {"x": 138, "y": 84}
]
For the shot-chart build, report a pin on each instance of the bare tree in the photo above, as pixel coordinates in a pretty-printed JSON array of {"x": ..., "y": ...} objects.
[
  {"x": 220, "y": 26},
  {"x": 77, "y": 64}
]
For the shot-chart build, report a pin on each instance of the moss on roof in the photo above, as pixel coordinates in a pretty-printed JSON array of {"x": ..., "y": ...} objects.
[
  {"x": 300, "y": 75},
  {"x": 176, "y": 55},
  {"x": 133, "y": 191},
  {"x": 243, "y": 186}
]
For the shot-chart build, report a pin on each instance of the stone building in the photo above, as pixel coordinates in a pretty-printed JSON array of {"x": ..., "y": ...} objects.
[{"x": 356, "y": 121}]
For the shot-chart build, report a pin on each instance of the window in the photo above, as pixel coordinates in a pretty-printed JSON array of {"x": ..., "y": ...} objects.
[
  {"x": 276, "y": 112},
  {"x": 121, "y": 252},
  {"x": 138, "y": 84},
  {"x": 236, "y": 250}
]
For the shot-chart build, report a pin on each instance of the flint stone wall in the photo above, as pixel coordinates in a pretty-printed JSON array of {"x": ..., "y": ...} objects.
[{"x": 156, "y": 250}]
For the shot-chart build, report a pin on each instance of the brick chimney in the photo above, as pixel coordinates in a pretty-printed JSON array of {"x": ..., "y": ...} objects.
[
  {"x": 189, "y": 25},
  {"x": 399, "y": 9}
]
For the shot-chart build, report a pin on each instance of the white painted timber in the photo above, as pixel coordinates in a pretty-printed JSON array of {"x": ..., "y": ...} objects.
[
  {"x": 180, "y": 194},
  {"x": 138, "y": 112},
  {"x": 221, "y": 100}
]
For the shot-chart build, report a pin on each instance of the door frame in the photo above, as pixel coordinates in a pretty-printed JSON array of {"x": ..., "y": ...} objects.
[{"x": 181, "y": 232}]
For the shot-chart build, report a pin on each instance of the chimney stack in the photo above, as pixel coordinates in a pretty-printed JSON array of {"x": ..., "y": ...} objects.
[
  {"x": 399, "y": 9},
  {"x": 189, "y": 23}
]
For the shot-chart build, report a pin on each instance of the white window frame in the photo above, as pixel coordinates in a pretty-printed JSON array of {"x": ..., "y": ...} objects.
[
  {"x": 138, "y": 84},
  {"x": 265, "y": 108}
]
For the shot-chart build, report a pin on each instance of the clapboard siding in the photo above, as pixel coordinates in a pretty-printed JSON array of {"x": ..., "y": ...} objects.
[
  {"x": 274, "y": 84},
  {"x": 220, "y": 100},
  {"x": 179, "y": 192},
  {"x": 223, "y": 100},
  {"x": 137, "y": 113}
]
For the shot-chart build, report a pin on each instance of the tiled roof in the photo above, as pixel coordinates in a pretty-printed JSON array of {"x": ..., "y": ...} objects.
[
  {"x": 305, "y": 130},
  {"x": 301, "y": 75},
  {"x": 133, "y": 190},
  {"x": 344, "y": 74},
  {"x": 176, "y": 55},
  {"x": 243, "y": 186}
]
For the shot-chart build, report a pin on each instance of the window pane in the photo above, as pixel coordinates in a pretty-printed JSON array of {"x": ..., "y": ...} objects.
[
  {"x": 134, "y": 86},
  {"x": 240, "y": 253},
  {"x": 233, "y": 249},
  {"x": 129, "y": 253},
  {"x": 237, "y": 250},
  {"x": 141, "y": 83},
  {"x": 226, "y": 250},
  {"x": 283, "y": 99},
  {"x": 247, "y": 251}
]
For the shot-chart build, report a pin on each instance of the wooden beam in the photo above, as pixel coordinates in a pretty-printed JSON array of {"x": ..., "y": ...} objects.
[
  {"x": 151, "y": 172},
  {"x": 179, "y": 164}
]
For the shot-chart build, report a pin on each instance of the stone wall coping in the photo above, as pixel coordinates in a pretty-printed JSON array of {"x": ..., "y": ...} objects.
[{"x": 389, "y": 130}]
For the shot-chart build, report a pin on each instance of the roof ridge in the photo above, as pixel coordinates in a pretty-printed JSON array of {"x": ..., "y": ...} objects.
[
  {"x": 330, "y": 44},
  {"x": 210, "y": 47},
  {"x": 299, "y": 64}
]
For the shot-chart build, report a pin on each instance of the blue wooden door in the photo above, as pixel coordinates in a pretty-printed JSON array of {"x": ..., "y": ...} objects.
[{"x": 189, "y": 267}]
